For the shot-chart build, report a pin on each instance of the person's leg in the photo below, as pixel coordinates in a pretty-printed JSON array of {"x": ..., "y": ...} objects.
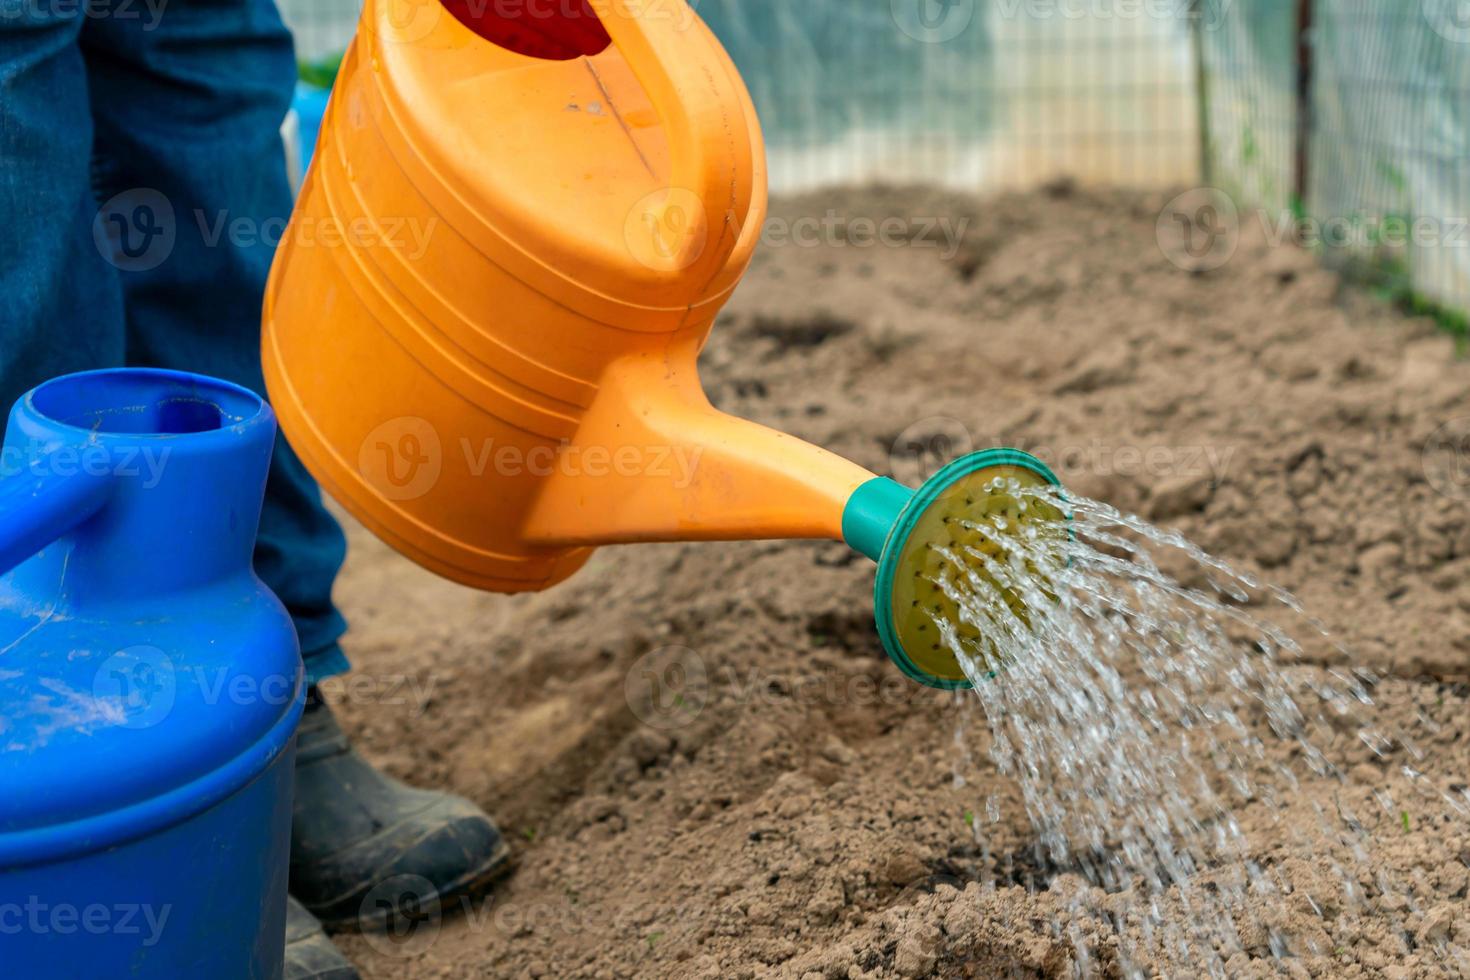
[
  {"x": 188, "y": 98},
  {"x": 62, "y": 306},
  {"x": 190, "y": 106}
]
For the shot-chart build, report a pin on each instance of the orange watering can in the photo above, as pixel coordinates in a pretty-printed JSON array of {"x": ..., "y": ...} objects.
[{"x": 482, "y": 326}]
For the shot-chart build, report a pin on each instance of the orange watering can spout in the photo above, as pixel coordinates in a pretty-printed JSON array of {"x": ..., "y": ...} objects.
[
  {"x": 482, "y": 325},
  {"x": 654, "y": 461}
]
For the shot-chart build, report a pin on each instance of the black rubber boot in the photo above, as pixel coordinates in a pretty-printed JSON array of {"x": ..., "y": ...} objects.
[
  {"x": 310, "y": 955},
  {"x": 366, "y": 849}
]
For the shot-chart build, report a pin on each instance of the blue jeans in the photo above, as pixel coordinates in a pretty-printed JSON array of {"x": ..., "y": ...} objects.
[{"x": 142, "y": 189}]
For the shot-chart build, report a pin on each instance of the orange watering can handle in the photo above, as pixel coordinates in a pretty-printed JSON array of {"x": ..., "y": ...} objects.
[{"x": 681, "y": 67}]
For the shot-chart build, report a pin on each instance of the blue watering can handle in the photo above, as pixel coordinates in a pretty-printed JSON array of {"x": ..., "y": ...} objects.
[{"x": 39, "y": 505}]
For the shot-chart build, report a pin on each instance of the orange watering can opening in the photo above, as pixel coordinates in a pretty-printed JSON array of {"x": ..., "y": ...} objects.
[{"x": 557, "y": 30}]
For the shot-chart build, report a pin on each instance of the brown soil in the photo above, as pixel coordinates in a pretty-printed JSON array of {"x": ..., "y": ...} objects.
[{"x": 798, "y": 812}]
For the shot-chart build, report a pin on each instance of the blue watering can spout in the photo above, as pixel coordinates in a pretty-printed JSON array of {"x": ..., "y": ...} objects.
[{"x": 133, "y": 479}]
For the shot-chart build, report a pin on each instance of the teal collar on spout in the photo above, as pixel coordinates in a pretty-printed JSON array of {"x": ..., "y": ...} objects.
[
  {"x": 881, "y": 505},
  {"x": 870, "y": 514}
]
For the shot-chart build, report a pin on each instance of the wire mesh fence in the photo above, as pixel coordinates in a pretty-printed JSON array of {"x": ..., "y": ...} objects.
[
  {"x": 965, "y": 93},
  {"x": 1390, "y": 143},
  {"x": 1248, "y": 94},
  {"x": 1342, "y": 123},
  {"x": 322, "y": 28},
  {"x": 1345, "y": 124},
  {"x": 961, "y": 93}
]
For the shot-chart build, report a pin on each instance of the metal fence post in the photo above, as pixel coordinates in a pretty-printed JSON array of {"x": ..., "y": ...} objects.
[
  {"x": 1304, "y": 113},
  {"x": 1201, "y": 90}
]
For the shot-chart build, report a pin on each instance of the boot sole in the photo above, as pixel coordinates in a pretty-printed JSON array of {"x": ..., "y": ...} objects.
[{"x": 471, "y": 884}]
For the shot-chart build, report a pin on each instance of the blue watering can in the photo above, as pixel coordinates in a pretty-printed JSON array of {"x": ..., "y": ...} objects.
[{"x": 150, "y": 685}]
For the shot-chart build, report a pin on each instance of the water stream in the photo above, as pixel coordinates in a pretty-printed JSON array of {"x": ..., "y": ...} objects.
[{"x": 1138, "y": 714}]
